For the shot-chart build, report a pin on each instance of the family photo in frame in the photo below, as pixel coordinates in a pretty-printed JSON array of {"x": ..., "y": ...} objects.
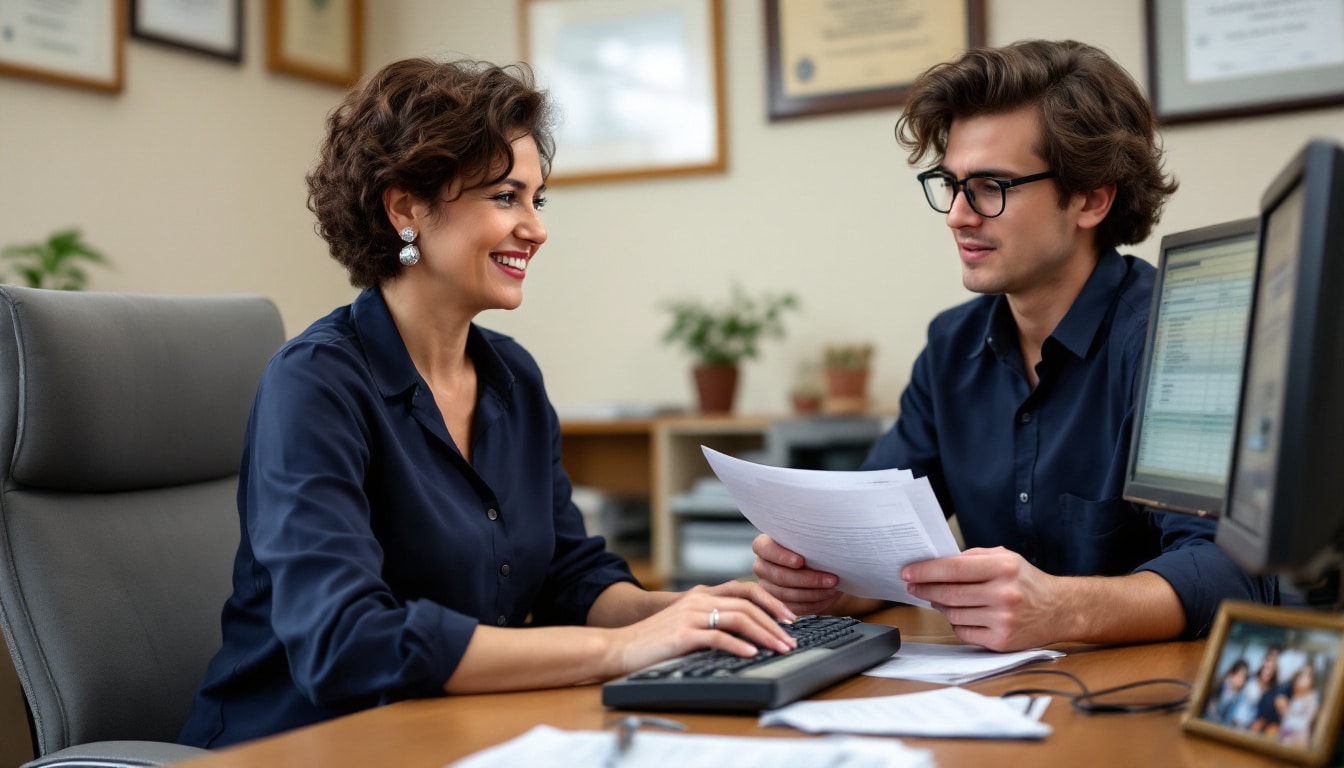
[{"x": 1271, "y": 681}]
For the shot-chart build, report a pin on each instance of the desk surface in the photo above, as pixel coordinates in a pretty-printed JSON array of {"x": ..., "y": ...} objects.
[{"x": 434, "y": 732}]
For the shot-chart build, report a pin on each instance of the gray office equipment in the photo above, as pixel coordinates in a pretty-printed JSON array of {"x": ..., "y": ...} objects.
[{"x": 121, "y": 424}]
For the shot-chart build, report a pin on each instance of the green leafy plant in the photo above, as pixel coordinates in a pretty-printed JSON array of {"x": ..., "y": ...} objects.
[
  {"x": 726, "y": 334},
  {"x": 848, "y": 355},
  {"x": 54, "y": 263}
]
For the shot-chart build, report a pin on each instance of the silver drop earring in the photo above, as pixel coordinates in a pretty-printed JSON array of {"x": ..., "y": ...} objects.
[{"x": 409, "y": 254}]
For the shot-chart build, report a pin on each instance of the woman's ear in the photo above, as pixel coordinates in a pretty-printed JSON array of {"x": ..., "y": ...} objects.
[{"x": 403, "y": 209}]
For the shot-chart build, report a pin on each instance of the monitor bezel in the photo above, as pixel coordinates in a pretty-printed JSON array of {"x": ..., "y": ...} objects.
[
  {"x": 1307, "y": 471},
  {"x": 1136, "y": 490}
]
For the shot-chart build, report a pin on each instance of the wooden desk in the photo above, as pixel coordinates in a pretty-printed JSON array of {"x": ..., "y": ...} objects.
[{"x": 433, "y": 733}]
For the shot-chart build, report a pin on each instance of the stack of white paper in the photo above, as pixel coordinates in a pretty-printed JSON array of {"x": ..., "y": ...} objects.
[
  {"x": 544, "y": 746},
  {"x": 941, "y": 713},
  {"x": 953, "y": 664},
  {"x": 862, "y": 526}
]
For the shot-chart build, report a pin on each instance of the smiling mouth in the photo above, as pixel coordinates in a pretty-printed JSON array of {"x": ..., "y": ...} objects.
[{"x": 515, "y": 262}]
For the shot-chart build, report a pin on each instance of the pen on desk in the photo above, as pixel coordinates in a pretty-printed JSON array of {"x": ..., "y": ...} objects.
[{"x": 625, "y": 733}]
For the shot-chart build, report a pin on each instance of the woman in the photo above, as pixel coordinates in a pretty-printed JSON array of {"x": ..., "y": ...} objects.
[
  {"x": 1298, "y": 707},
  {"x": 407, "y": 525},
  {"x": 1229, "y": 689}
]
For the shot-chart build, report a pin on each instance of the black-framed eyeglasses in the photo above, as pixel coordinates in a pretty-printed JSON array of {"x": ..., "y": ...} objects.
[{"x": 986, "y": 194}]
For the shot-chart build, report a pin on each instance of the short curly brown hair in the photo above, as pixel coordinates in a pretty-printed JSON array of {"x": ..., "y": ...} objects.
[
  {"x": 1097, "y": 128},
  {"x": 418, "y": 124}
]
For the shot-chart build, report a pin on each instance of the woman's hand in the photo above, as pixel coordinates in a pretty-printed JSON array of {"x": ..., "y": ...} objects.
[{"x": 737, "y": 617}]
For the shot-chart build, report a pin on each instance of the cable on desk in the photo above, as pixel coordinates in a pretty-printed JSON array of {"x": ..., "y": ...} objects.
[{"x": 1088, "y": 701}]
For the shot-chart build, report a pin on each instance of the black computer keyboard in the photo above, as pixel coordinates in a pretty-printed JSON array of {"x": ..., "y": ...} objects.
[{"x": 829, "y": 650}]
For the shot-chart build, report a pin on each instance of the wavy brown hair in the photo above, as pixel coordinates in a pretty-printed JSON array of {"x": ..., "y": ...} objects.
[
  {"x": 420, "y": 125},
  {"x": 1097, "y": 128}
]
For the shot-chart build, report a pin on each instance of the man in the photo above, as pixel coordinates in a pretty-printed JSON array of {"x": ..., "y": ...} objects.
[{"x": 1019, "y": 409}]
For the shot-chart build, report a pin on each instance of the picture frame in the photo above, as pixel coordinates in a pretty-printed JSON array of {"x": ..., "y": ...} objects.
[
  {"x": 837, "y": 57},
  {"x": 210, "y": 27},
  {"x": 1271, "y": 681},
  {"x": 79, "y": 43},
  {"x": 1209, "y": 61},
  {"x": 318, "y": 41},
  {"x": 639, "y": 86}
]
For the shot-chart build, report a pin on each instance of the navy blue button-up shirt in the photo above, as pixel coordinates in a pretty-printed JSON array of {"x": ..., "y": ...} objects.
[
  {"x": 371, "y": 549},
  {"x": 1040, "y": 471}
]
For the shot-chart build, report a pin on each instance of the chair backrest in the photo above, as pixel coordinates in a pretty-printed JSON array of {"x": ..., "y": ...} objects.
[{"x": 121, "y": 430}]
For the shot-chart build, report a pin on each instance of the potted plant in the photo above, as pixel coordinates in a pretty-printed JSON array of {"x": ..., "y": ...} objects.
[
  {"x": 847, "y": 368},
  {"x": 719, "y": 337},
  {"x": 54, "y": 263}
]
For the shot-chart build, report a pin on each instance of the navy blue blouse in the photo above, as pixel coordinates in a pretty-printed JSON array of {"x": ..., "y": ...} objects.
[
  {"x": 1040, "y": 471},
  {"x": 371, "y": 549}
]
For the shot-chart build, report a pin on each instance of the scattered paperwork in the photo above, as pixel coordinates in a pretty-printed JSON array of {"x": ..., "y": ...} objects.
[
  {"x": 862, "y": 526},
  {"x": 940, "y": 713},
  {"x": 953, "y": 664},
  {"x": 545, "y": 746}
]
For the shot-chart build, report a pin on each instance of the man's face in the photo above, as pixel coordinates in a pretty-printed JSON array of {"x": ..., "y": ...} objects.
[{"x": 1031, "y": 246}]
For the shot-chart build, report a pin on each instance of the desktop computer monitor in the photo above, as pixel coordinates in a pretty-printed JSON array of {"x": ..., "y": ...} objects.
[
  {"x": 1186, "y": 410},
  {"x": 1285, "y": 504}
]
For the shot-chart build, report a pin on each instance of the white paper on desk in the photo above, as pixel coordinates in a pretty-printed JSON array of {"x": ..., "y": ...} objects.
[
  {"x": 953, "y": 664},
  {"x": 544, "y": 746},
  {"x": 940, "y": 713},
  {"x": 862, "y": 526}
]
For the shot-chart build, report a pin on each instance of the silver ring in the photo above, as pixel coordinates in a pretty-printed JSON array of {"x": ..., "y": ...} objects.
[{"x": 714, "y": 619}]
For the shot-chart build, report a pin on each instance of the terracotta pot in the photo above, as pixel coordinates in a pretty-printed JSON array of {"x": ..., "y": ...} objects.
[
  {"x": 717, "y": 386},
  {"x": 846, "y": 382}
]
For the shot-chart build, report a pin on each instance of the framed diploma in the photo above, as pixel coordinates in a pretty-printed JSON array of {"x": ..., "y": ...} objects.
[
  {"x": 1211, "y": 59},
  {"x": 836, "y": 57},
  {"x": 212, "y": 27},
  {"x": 76, "y": 42},
  {"x": 321, "y": 41},
  {"x": 638, "y": 85}
]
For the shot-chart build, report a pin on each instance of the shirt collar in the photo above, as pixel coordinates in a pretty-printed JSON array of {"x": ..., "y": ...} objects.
[
  {"x": 391, "y": 364},
  {"x": 1080, "y": 325}
]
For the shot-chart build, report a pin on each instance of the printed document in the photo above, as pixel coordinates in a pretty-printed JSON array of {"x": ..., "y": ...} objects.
[
  {"x": 941, "y": 713},
  {"x": 954, "y": 664},
  {"x": 861, "y": 526},
  {"x": 544, "y": 746}
]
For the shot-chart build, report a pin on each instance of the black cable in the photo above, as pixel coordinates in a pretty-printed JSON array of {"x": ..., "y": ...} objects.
[{"x": 1087, "y": 700}]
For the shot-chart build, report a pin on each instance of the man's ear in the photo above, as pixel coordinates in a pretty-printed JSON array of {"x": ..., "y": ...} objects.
[
  {"x": 1096, "y": 204},
  {"x": 403, "y": 209}
]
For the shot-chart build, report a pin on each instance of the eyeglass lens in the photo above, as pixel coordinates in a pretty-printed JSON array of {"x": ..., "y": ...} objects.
[{"x": 985, "y": 195}]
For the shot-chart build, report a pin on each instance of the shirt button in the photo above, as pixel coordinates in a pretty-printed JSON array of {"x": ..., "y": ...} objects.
[
  {"x": 493, "y": 514},
  {"x": 1026, "y": 418},
  {"x": 501, "y": 621},
  {"x": 504, "y": 569},
  {"x": 1023, "y": 497},
  {"x": 989, "y": 339}
]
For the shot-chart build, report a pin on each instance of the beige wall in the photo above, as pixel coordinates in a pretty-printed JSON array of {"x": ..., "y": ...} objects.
[{"x": 192, "y": 180}]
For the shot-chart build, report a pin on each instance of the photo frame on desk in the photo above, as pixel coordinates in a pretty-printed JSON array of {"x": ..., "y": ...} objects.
[
  {"x": 836, "y": 57},
  {"x": 1271, "y": 681},
  {"x": 211, "y": 27},
  {"x": 320, "y": 41},
  {"x": 639, "y": 85},
  {"x": 1209, "y": 61},
  {"x": 81, "y": 44}
]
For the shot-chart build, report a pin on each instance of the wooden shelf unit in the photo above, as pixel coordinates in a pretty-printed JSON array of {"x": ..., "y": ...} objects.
[{"x": 658, "y": 458}]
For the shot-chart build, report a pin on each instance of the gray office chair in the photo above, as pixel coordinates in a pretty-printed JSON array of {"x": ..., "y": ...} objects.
[{"x": 121, "y": 425}]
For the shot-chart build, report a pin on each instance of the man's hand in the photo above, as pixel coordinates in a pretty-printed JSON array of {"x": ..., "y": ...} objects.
[
  {"x": 785, "y": 575},
  {"x": 996, "y": 599}
]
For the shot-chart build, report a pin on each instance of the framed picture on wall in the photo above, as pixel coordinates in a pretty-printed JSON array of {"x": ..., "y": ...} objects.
[
  {"x": 78, "y": 42},
  {"x": 1210, "y": 59},
  {"x": 321, "y": 41},
  {"x": 211, "y": 27},
  {"x": 1271, "y": 681},
  {"x": 639, "y": 85},
  {"x": 835, "y": 57}
]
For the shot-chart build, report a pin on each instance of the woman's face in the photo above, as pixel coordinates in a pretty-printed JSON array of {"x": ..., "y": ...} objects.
[{"x": 481, "y": 243}]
